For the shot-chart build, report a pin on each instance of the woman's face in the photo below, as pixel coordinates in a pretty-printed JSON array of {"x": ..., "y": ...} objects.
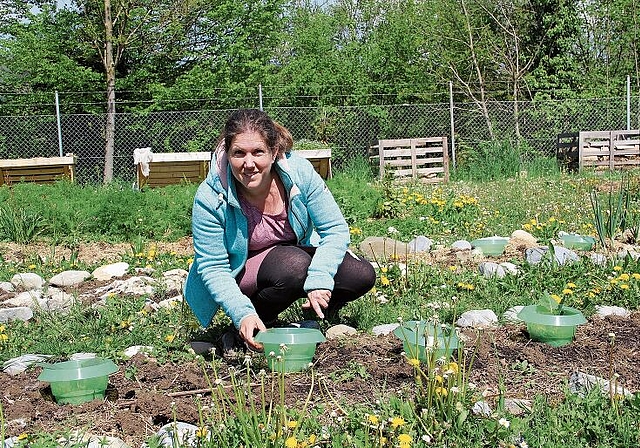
[{"x": 251, "y": 161}]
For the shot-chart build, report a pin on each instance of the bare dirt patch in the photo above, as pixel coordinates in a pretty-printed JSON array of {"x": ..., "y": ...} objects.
[{"x": 356, "y": 370}]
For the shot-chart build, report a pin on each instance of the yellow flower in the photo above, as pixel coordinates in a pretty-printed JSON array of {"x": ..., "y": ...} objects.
[
  {"x": 2, "y": 328},
  {"x": 22, "y": 436},
  {"x": 291, "y": 442},
  {"x": 453, "y": 366},
  {"x": 384, "y": 269},
  {"x": 453, "y": 268},
  {"x": 624, "y": 277},
  {"x": 201, "y": 432},
  {"x": 397, "y": 422},
  {"x": 624, "y": 286},
  {"x": 635, "y": 276},
  {"x": 404, "y": 440},
  {"x": 414, "y": 362},
  {"x": 384, "y": 280},
  {"x": 170, "y": 337},
  {"x": 3, "y": 337},
  {"x": 617, "y": 268},
  {"x": 355, "y": 230},
  {"x": 31, "y": 266},
  {"x": 438, "y": 379},
  {"x": 567, "y": 291},
  {"x": 383, "y": 441},
  {"x": 571, "y": 285},
  {"x": 292, "y": 424},
  {"x": 556, "y": 297},
  {"x": 441, "y": 391},
  {"x": 373, "y": 419}
]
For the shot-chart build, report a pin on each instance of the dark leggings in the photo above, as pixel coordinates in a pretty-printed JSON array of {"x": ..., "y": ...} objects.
[{"x": 282, "y": 274}]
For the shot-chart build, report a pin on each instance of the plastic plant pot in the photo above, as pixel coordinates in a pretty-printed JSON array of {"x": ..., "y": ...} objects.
[
  {"x": 78, "y": 381},
  {"x": 574, "y": 241},
  {"x": 492, "y": 245},
  {"x": 289, "y": 349},
  {"x": 427, "y": 341},
  {"x": 553, "y": 329}
]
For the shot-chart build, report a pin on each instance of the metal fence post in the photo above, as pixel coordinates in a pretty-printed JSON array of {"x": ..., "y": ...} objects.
[{"x": 59, "y": 127}]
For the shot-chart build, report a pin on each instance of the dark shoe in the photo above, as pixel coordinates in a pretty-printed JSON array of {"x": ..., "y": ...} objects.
[{"x": 232, "y": 344}]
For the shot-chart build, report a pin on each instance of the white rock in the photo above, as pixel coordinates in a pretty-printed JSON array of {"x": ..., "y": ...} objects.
[
  {"x": 490, "y": 269},
  {"x": 59, "y": 300},
  {"x": 136, "y": 286},
  {"x": 27, "y": 281},
  {"x": 510, "y": 268},
  {"x": 182, "y": 433},
  {"x": 104, "y": 442},
  {"x": 32, "y": 299},
  {"x": 69, "y": 278},
  {"x": 135, "y": 349},
  {"x": 181, "y": 273},
  {"x": 481, "y": 408},
  {"x": 517, "y": 406},
  {"x": 477, "y": 319},
  {"x": 581, "y": 383},
  {"x": 384, "y": 329},
  {"x": 171, "y": 302},
  {"x": 511, "y": 315},
  {"x": 605, "y": 310},
  {"x": 7, "y": 287},
  {"x": 109, "y": 271},
  {"x": 23, "y": 313},
  {"x": 16, "y": 366},
  {"x": 461, "y": 245},
  {"x": 340, "y": 330},
  {"x": 524, "y": 236}
]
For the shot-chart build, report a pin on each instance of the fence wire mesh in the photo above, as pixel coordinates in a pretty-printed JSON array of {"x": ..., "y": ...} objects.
[{"x": 349, "y": 130}]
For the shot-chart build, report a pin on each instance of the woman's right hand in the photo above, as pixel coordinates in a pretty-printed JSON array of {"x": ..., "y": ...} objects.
[{"x": 247, "y": 330}]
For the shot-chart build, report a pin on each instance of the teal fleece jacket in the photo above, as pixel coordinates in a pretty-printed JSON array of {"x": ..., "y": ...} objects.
[{"x": 220, "y": 236}]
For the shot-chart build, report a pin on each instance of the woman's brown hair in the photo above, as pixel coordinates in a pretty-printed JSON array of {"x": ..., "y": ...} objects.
[{"x": 277, "y": 137}]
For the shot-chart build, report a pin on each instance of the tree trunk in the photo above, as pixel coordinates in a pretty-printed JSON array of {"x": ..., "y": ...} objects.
[{"x": 110, "y": 70}]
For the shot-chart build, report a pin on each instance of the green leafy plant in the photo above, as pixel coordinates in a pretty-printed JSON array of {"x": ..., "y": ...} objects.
[
  {"x": 551, "y": 303},
  {"x": 610, "y": 215},
  {"x": 19, "y": 225}
]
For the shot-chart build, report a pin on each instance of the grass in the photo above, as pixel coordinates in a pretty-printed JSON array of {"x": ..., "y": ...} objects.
[{"x": 504, "y": 200}]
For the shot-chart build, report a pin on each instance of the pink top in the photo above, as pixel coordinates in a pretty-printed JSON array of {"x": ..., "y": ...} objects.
[{"x": 265, "y": 231}]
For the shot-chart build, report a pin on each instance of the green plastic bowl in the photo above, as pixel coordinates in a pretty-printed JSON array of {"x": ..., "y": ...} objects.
[
  {"x": 553, "y": 329},
  {"x": 574, "y": 241},
  {"x": 492, "y": 245},
  {"x": 427, "y": 341},
  {"x": 289, "y": 349},
  {"x": 78, "y": 381}
]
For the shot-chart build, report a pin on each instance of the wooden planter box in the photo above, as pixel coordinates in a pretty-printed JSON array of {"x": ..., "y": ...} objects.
[
  {"x": 177, "y": 167},
  {"x": 320, "y": 159},
  {"x": 174, "y": 168},
  {"x": 41, "y": 170},
  {"x": 424, "y": 159}
]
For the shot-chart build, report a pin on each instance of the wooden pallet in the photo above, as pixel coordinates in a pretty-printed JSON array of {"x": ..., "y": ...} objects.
[
  {"x": 599, "y": 149},
  {"x": 425, "y": 159},
  {"x": 41, "y": 170}
]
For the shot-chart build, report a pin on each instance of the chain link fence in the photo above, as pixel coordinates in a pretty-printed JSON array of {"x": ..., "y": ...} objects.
[{"x": 349, "y": 130}]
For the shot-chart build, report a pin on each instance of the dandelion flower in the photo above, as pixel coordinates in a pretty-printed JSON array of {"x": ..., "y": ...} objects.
[
  {"x": 442, "y": 391},
  {"x": 3, "y": 337},
  {"x": 404, "y": 440},
  {"x": 291, "y": 442},
  {"x": 292, "y": 424},
  {"x": 624, "y": 286},
  {"x": 617, "y": 268},
  {"x": 624, "y": 277},
  {"x": 567, "y": 291},
  {"x": 384, "y": 280},
  {"x": 414, "y": 362},
  {"x": 170, "y": 337},
  {"x": 571, "y": 285},
  {"x": 373, "y": 419},
  {"x": 397, "y": 422}
]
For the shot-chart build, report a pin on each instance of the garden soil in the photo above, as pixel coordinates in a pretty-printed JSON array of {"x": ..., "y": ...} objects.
[{"x": 144, "y": 395}]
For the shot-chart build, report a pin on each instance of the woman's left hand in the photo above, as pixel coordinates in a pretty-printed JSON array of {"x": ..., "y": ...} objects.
[{"x": 318, "y": 299}]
